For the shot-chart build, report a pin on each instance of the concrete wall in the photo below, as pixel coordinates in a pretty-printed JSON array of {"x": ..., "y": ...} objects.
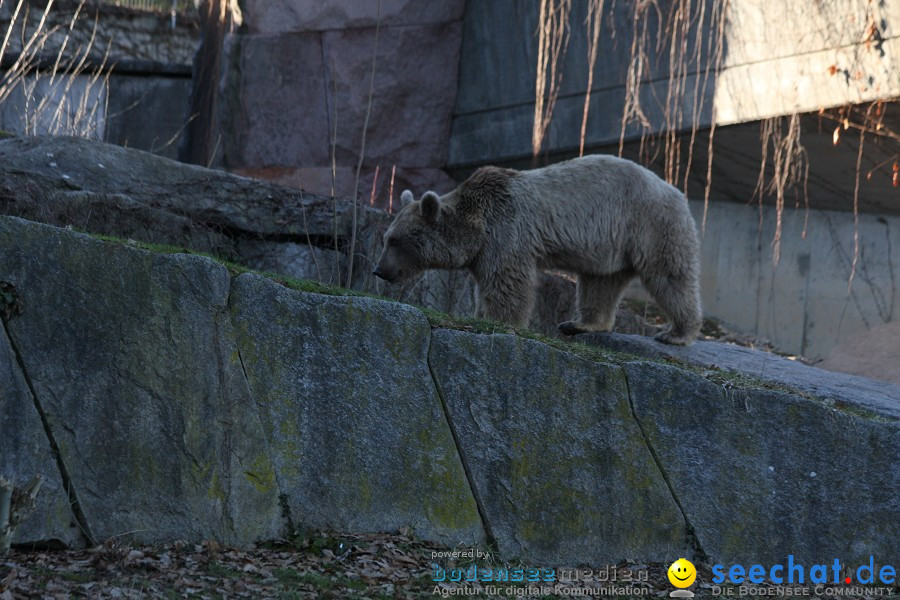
[
  {"x": 804, "y": 304},
  {"x": 142, "y": 104},
  {"x": 777, "y": 59}
]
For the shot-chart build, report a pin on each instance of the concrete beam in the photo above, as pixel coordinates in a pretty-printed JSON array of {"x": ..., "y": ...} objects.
[{"x": 778, "y": 58}]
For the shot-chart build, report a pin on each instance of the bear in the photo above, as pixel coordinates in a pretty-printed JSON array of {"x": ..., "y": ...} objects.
[{"x": 604, "y": 219}]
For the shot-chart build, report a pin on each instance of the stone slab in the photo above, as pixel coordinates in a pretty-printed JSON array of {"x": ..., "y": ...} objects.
[
  {"x": 132, "y": 359},
  {"x": 762, "y": 475},
  {"x": 358, "y": 435},
  {"x": 559, "y": 465},
  {"x": 877, "y": 397},
  {"x": 25, "y": 452}
]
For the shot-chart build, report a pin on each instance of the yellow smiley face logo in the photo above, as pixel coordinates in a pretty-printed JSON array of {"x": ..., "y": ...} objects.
[{"x": 682, "y": 573}]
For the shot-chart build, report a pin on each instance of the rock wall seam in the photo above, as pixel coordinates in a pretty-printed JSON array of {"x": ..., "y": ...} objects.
[
  {"x": 66, "y": 479},
  {"x": 226, "y": 404},
  {"x": 691, "y": 536},
  {"x": 282, "y": 497},
  {"x": 482, "y": 513}
]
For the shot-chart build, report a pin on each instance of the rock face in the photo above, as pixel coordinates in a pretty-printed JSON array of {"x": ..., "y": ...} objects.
[
  {"x": 25, "y": 451},
  {"x": 768, "y": 474},
  {"x": 145, "y": 406},
  {"x": 558, "y": 479},
  {"x": 175, "y": 420},
  {"x": 298, "y": 88},
  {"x": 356, "y": 430},
  {"x": 116, "y": 191},
  {"x": 858, "y": 393},
  {"x": 768, "y": 455},
  {"x": 162, "y": 398}
]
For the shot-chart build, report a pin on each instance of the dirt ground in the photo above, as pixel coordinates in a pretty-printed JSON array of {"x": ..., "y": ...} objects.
[{"x": 331, "y": 566}]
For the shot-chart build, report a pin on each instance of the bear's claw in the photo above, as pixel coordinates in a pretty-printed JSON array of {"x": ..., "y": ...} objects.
[
  {"x": 669, "y": 337},
  {"x": 571, "y": 328}
]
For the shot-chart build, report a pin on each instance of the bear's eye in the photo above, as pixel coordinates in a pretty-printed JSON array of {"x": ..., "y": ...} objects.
[{"x": 393, "y": 242}]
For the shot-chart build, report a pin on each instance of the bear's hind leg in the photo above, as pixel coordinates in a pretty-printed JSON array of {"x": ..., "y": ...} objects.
[
  {"x": 598, "y": 297},
  {"x": 680, "y": 299}
]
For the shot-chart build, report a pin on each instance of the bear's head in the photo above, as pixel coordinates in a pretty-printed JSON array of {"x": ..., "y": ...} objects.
[{"x": 431, "y": 233}]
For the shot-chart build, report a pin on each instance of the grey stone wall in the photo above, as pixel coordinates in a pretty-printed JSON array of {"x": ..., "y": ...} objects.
[
  {"x": 300, "y": 70},
  {"x": 806, "y": 304},
  {"x": 144, "y": 101},
  {"x": 182, "y": 402}
]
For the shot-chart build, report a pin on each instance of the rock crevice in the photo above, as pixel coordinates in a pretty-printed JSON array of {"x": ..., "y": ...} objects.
[
  {"x": 479, "y": 503},
  {"x": 691, "y": 541},
  {"x": 67, "y": 483}
]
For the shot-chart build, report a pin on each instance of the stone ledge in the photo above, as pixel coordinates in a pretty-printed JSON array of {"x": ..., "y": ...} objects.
[{"x": 189, "y": 405}]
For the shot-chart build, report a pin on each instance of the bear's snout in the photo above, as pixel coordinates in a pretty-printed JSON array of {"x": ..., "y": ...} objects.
[{"x": 386, "y": 274}]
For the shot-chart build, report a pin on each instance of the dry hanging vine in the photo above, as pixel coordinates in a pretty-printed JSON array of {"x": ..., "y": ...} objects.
[
  {"x": 553, "y": 39},
  {"x": 690, "y": 35}
]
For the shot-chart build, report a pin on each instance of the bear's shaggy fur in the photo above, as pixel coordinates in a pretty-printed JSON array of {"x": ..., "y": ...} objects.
[{"x": 605, "y": 219}]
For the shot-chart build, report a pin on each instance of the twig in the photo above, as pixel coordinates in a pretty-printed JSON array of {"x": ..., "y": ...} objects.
[
  {"x": 553, "y": 39},
  {"x": 593, "y": 23},
  {"x": 337, "y": 262},
  {"x": 391, "y": 193},
  {"x": 15, "y": 505},
  {"x": 362, "y": 150},
  {"x": 859, "y": 154}
]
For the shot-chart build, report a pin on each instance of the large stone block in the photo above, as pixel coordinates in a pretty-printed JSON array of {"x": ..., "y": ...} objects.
[
  {"x": 280, "y": 116},
  {"x": 294, "y": 88},
  {"x": 559, "y": 465},
  {"x": 761, "y": 475},
  {"x": 66, "y": 181},
  {"x": 859, "y": 393},
  {"x": 413, "y": 97},
  {"x": 282, "y": 16},
  {"x": 358, "y": 435},
  {"x": 131, "y": 357}
]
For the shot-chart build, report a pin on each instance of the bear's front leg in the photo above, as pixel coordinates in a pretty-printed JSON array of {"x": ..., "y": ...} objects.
[{"x": 508, "y": 295}]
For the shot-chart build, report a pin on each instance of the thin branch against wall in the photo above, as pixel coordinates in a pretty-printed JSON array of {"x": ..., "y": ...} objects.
[
  {"x": 553, "y": 40},
  {"x": 790, "y": 163},
  {"x": 334, "y": 132},
  {"x": 859, "y": 155},
  {"x": 634, "y": 76},
  {"x": 28, "y": 57},
  {"x": 362, "y": 151},
  {"x": 715, "y": 52},
  {"x": 593, "y": 22},
  {"x": 692, "y": 33},
  {"x": 68, "y": 97}
]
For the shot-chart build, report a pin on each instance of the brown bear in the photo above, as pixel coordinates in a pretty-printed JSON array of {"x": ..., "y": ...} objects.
[{"x": 605, "y": 219}]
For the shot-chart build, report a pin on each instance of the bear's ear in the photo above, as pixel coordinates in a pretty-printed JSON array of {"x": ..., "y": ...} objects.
[
  {"x": 406, "y": 198},
  {"x": 431, "y": 206}
]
